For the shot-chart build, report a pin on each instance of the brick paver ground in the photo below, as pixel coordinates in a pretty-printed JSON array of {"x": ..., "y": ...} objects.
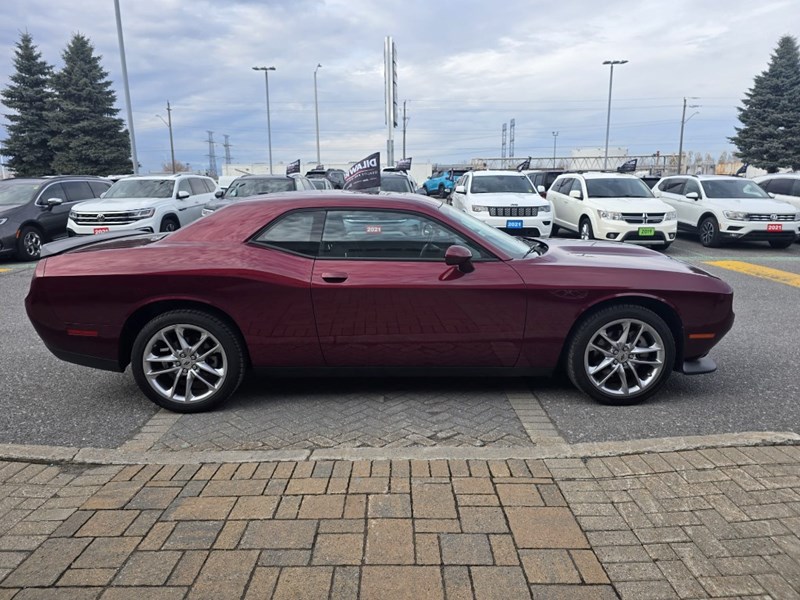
[{"x": 713, "y": 523}]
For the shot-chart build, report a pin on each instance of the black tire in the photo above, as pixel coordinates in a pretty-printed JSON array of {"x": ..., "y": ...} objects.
[
  {"x": 579, "y": 354},
  {"x": 780, "y": 244},
  {"x": 442, "y": 191},
  {"x": 585, "y": 229},
  {"x": 231, "y": 352},
  {"x": 554, "y": 230},
  {"x": 168, "y": 224},
  {"x": 709, "y": 233},
  {"x": 29, "y": 243}
]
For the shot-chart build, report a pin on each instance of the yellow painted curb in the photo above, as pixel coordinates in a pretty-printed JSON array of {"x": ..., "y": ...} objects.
[{"x": 777, "y": 275}]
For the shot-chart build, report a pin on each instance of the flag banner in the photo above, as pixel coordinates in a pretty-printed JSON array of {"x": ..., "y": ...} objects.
[
  {"x": 742, "y": 170},
  {"x": 293, "y": 167},
  {"x": 364, "y": 174},
  {"x": 524, "y": 165},
  {"x": 628, "y": 166},
  {"x": 403, "y": 164}
]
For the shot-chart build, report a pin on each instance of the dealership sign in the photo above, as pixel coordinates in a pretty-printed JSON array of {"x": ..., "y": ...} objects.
[{"x": 364, "y": 174}]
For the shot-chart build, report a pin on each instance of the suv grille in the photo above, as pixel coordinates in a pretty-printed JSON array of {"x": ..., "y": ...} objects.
[
  {"x": 765, "y": 217},
  {"x": 105, "y": 218},
  {"x": 513, "y": 211},
  {"x": 642, "y": 218}
]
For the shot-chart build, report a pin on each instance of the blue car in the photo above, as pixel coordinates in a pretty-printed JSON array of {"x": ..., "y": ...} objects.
[{"x": 441, "y": 183}]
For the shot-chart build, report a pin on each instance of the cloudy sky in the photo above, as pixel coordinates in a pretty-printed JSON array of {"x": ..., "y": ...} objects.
[{"x": 464, "y": 68}]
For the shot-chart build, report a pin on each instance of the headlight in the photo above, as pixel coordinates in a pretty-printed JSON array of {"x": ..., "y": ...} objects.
[
  {"x": 610, "y": 216},
  {"x": 2, "y": 221},
  {"x": 670, "y": 216},
  {"x": 545, "y": 208},
  {"x": 796, "y": 218},
  {"x": 143, "y": 213},
  {"x": 205, "y": 212},
  {"x": 73, "y": 215},
  {"x": 477, "y": 208},
  {"x": 735, "y": 215}
]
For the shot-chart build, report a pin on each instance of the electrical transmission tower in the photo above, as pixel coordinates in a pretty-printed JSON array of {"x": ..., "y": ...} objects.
[
  {"x": 227, "y": 146},
  {"x": 212, "y": 157},
  {"x": 503, "y": 143},
  {"x": 511, "y": 140}
]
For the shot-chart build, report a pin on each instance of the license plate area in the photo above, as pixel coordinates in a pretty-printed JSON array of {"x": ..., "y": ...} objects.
[
  {"x": 97, "y": 230},
  {"x": 514, "y": 224},
  {"x": 647, "y": 231},
  {"x": 775, "y": 227}
]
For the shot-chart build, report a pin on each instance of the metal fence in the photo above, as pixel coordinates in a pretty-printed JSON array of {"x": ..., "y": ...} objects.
[{"x": 651, "y": 164}]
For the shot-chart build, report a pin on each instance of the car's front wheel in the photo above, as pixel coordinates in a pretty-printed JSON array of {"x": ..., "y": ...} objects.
[
  {"x": 442, "y": 191},
  {"x": 29, "y": 244},
  {"x": 709, "y": 233},
  {"x": 169, "y": 224},
  {"x": 586, "y": 229},
  {"x": 187, "y": 360},
  {"x": 621, "y": 355}
]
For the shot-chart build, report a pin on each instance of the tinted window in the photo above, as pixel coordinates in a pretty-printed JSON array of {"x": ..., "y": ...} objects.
[
  {"x": 17, "y": 192},
  {"x": 492, "y": 184},
  {"x": 141, "y": 188},
  {"x": 197, "y": 186},
  {"x": 53, "y": 190},
  {"x": 782, "y": 186},
  {"x": 373, "y": 234},
  {"x": 549, "y": 178},
  {"x": 77, "y": 190},
  {"x": 395, "y": 184},
  {"x": 617, "y": 187},
  {"x": 576, "y": 186},
  {"x": 796, "y": 188},
  {"x": 562, "y": 185},
  {"x": 295, "y": 232},
  {"x": 242, "y": 188},
  {"x": 672, "y": 186},
  {"x": 320, "y": 184},
  {"x": 733, "y": 188},
  {"x": 692, "y": 186},
  {"x": 185, "y": 186},
  {"x": 98, "y": 187}
]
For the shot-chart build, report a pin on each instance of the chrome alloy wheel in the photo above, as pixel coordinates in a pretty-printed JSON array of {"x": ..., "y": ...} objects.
[
  {"x": 586, "y": 231},
  {"x": 184, "y": 363},
  {"x": 707, "y": 232},
  {"x": 32, "y": 242},
  {"x": 624, "y": 357}
]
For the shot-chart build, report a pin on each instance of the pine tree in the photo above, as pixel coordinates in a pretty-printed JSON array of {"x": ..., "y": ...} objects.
[
  {"x": 28, "y": 95},
  {"x": 770, "y": 115},
  {"x": 89, "y": 138}
]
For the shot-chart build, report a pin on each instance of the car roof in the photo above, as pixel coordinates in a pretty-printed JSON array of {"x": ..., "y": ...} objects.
[
  {"x": 49, "y": 178},
  {"x": 495, "y": 172},
  {"x": 601, "y": 175},
  {"x": 775, "y": 175},
  {"x": 162, "y": 177},
  {"x": 267, "y": 176}
]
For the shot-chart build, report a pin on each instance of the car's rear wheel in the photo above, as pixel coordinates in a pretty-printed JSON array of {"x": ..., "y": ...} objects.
[
  {"x": 187, "y": 360},
  {"x": 586, "y": 229},
  {"x": 169, "y": 224},
  {"x": 781, "y": 244},
  {"x": 621, "y": 355},
  {"x": 29, "y": 243},
  {"x": 709, "y": 233},
  {"x": 554, "y": 230},
  {"x": 442, "y": 192}
]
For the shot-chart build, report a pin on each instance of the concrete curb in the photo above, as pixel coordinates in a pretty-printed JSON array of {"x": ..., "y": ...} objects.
[{"x": 121, "y": 456}]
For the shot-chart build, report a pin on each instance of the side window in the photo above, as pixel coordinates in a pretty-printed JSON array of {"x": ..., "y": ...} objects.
[
  {"x": 692, "y": 186},
  {"x": 77, "y": 190},
  {"x": 576, "y": 186},
  {"x": 672, "y": 186},
  {"x": 98, "y": 187},
  {"x": 386, "y": 235},
  {"x": 52, "y": 191},
  {"x": 298, "y": 232},
  {"x": 796, "y": 188},
  {"x": 198, "y": 186},
  {"x": 782, "y": 185},
  {"x": 562, "y": 186},
  {"x": 184, "y": 186}
]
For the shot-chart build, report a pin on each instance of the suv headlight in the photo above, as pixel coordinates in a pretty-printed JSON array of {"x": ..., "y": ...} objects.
[
  {"x": 545, "y": 208},
  {"x": 2, "y": 221},
  {"x": 671, "y": 215},
  {"x": 143, "y": 213},
  {"x": 478, "y": 208},
  {"x": 735, "y": 215},
  {"x": 610, "y": 216},
  {"x": 796, "y": 218},
  {"x": 73, "y": 215}
]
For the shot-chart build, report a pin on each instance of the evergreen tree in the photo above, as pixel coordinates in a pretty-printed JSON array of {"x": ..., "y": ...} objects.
[
  {"x": 28, "y": 95},
  {"x": 89, "y": 139},
  {"x": 770, "y": 115}
]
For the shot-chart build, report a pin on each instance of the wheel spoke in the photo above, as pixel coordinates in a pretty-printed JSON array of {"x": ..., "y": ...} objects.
[
  {"x": 207, "y": 353},
  {"x": 646, "y": 350},
  {"x": 604, "y": 335},
  {"x": 163, "y": 371},
  {"x": 603, "y": 351},
  {"x": 624, "y": 379},
  {"x": 638, "y": 335},
  {"x": 606, "y": 362},
  {"x": 203, "y": 338},
  {"x": 607, "y": 377},
  {"x": 163, "y": 337},
  {"x": 209, "y": 369},
  {"x": 187, "y": 394},
  {"x": 639, "y": 361},
  {"x": 181, "y": 339},
  {"x": 208, "y": 384},
  {"x": 163, "y": 359},
  {"x": 639, "y": 382},
  {"x": 626, "y": 329}
]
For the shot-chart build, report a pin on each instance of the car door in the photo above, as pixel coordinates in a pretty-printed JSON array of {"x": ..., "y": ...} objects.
[
  {"x": 53, "y": 220},
  {"x": 384, "y": 297},
  {"x": 669, "y": 190},
  {"x": 200, "y": 196},
  {"x": 690, "y": 208},
  {"x": 785, "y": 189},
  {"x": 76, "y": 191},
  {"x": 560, "y": 199},
  {"x": 458, "y": 199}
]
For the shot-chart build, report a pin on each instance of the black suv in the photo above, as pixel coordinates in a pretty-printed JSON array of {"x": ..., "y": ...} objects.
[
  {"x": 35, "y": 211},
  {"x": 545, "y": 178},
  {"x": 335, "y": 176}
]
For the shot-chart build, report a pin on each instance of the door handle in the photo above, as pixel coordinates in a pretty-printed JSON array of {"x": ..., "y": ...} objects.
[{"x": 334, "y": 277}]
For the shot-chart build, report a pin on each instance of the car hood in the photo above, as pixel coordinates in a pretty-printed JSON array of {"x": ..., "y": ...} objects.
[
  {"x": 508, "y": 199},
  {"x": 628, "y": 205},
  {"x": 218, "y": 203},
  {"x": 7, "y": 208},
  {"x": 111, "y": 204},
  {"x": 765, "y": 205}
]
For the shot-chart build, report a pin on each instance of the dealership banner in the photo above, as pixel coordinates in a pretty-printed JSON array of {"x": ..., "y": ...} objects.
[
  {"x": 403, "y": 164},
  {"x": 293, "y": 167},
  {"x": 628, "y": 166},
  {"x": 364, "y": 174}
]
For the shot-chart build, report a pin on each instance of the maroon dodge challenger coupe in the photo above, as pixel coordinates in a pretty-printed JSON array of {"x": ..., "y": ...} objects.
[{"x": 349, "y": 283}]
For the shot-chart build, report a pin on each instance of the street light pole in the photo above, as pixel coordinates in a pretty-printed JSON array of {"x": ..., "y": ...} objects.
[
  {"x": 555, "y": 136},
  {"x": 269, "y": 124},
  {"x": 131, "y": 133},
  {"x": 168, "y": 123},
  {"x": 683, "y": 124},
  {"x": 316, "y": 110},
  {"x": 608, "y": 115}
]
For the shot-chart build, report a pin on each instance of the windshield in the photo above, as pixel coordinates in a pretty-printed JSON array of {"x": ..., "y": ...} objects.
[
  {"x": 141, "y": 188},
  {"x": 499, "y": 184},
  {"x": 242, "y": 188},
  {"x": 512, "y": 246},
  {"x": 319, "y": 184},
  {"x": 395, "y": 184},
  {"x": 17, "y": 192},
  {"x": 617, "y": 187},
  {"x": 732, "y": 188}
]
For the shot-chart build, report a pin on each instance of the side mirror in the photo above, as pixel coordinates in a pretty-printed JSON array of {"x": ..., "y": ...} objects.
[
  {"x": 541, "y": 190},
  {"x": 53, "y": 202},
  {"x": 103, "y": 195},
  {"x": 693, "y": 196},
  {"x": 771, "y": 194},
  {"x": 576, "y": 194},
  {"x": 460, "y": 189},
  {"x": 459, "y": 256},
  {"x": 219, "y": 194},
  {"x": 183, "y": 195}
]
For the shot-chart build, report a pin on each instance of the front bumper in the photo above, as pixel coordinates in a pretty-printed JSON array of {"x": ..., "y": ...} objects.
[
  {"x": 143, "y": 225},
  {"x": 530, "y": 226},
  {"x": 8, "y": 244},
  {"x": 620, "y": 231},
  {"x": 758, "y": 232}
]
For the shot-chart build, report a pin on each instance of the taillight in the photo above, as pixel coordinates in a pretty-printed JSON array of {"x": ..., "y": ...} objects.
[{"x": 40, "y": 266}]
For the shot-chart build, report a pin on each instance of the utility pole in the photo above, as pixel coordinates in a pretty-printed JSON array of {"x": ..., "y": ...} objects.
[
  {"x": 608, "y": 116},
  {"x": 131, "y": 133},
  {"x": 555, "y": 137},
  {"x": 227, "y": 146},
  {"x": 171, "y": 142},
  {"x": 316, "y": 110},
  {"x": 683, "y": 124},
  {"x": 405, "y": 126},
  {"x": 212, "y": 157}
]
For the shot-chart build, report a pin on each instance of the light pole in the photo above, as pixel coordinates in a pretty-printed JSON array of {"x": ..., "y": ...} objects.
[
  {"x": 555, "y": 136},
  {"x": 127, "y": 89},
  {"x": 316, "y": 110},
  {"x": 168, "y": 123},
  {"x": 683, "y": 124},
  {"x": 608, "y": 116},
  {"x": 269, "y": 125}
]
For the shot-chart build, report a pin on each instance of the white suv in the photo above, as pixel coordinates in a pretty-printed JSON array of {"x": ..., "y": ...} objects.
[
  {"x": 782, "y": 186},
  {"x": 503, "y": 199},
  {"x": 724, "y": 208},
  {"x": 144, "y": 203},
  {"x": 613, "y": 207}
]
